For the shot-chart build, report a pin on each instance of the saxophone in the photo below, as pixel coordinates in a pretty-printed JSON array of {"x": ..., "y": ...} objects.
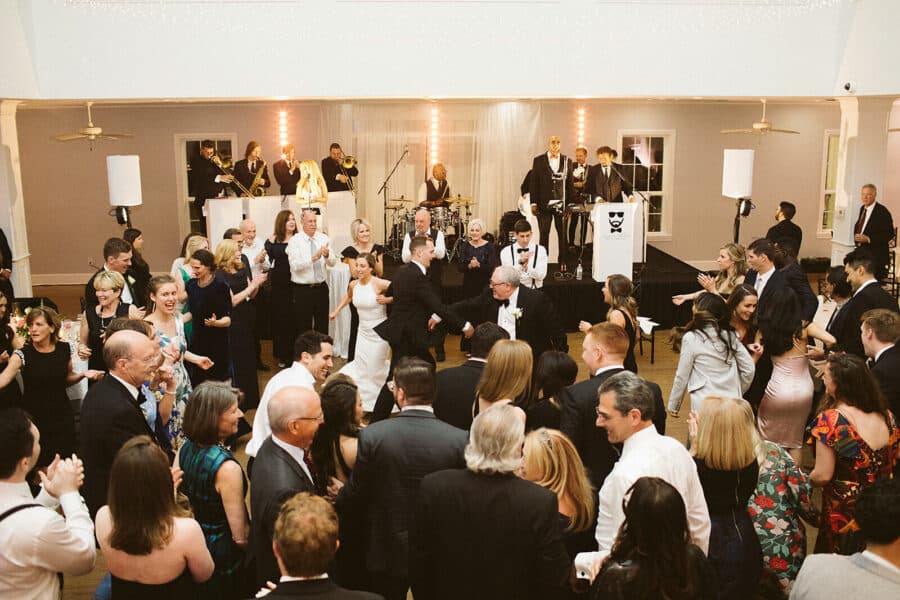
[{"x": 255, "y": 190}]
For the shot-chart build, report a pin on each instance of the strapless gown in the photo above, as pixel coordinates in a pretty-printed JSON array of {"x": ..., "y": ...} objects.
[{"x": 369, "y": 367}]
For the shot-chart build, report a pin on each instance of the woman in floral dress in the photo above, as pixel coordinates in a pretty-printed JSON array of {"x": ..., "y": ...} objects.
[{"x": 783, "y": 495}]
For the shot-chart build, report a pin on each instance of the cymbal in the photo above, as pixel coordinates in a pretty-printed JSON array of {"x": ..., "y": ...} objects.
[
  {"x": 395, "y": 205},
  {"x": 464, "y": 200},
  {"x": 401, "y": 199}
]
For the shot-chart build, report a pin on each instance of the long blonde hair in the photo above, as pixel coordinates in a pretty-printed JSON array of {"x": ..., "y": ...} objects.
[
  {"x": 728, "y": 277},
  {"x": 507, "y": 374},
  {"x": 225, "y": 253},
  {"x": 725, "y": 434},
  {"x": 194, "y": 243},
  {"x": 550, "y": 454}
]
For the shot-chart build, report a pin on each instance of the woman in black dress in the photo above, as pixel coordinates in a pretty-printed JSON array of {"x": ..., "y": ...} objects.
[
  {"x": 46, "y": 366},
  {"x": 361, "y": 232},
  {"x": 108, "y": 286},
  {"x": 477, "y": 259},
  {"x": 210, "y": 303},
  {"x": 11, "y": 395},
  {"x": 280, "y": 305},
  {"x": 139, "y": 270},
  {"x": 241, "y": 338},
  {"x": 555, "y": 371}
]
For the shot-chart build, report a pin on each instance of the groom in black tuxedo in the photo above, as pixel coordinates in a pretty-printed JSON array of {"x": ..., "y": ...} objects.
[
  {"x": 406, "y": 328},
  {"x": 526, "y": 314}
]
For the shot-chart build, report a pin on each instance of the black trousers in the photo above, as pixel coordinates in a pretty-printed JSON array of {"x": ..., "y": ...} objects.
[
  {"x": 385, "y": 402},
  {"x": 311, "y": 307},
  {"x": 544, "y": 218},
  {"x": 392, "y": 587}
]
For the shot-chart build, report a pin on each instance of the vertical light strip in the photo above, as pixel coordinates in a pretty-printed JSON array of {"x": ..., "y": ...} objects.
[
  {"x": 435, "y": 136},
  {"x": 282, "y": 129},
  {"x": 579, "y": 131}
]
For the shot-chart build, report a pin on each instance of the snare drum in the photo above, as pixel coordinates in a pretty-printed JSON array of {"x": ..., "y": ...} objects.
[{"x": 440, "y": 218}]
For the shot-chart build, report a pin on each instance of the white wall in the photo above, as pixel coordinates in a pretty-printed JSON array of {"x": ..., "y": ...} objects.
[{"x": 256, "y": 49}]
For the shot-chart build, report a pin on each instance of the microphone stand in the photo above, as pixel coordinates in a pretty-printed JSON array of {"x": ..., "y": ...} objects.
[
  {"x": 384, "y": 189},
  {"x": 645, "y": 204}
]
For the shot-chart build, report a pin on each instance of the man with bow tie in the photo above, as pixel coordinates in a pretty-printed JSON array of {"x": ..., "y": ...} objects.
[
  {"x": 526, "y": 255},
  {"x": 245, "y": 170},
  {"x": 524, "y": 313},
  {"x": 551, "y": 186}
]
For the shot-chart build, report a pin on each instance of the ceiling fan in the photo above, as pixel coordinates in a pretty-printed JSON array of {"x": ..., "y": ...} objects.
[
  {"x": 91, "y": 132},
  {"x": 760, "y": 127}
]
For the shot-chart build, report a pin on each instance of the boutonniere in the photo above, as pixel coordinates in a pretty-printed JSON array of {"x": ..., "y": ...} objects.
[
  {"x": 578, "y": 171},
  {"x": 517, "y": 313},
  {"x": 131, "y": 280}
]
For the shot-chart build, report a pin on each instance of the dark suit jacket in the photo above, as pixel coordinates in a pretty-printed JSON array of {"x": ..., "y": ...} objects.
[
  {"x": 481, "y": 536},
  {"x": 286, "y": 180},
  {"x": 331, "y": 169},
  {"x": 243, "y": 174},
  {"x": 845, "y": 326},
  {"x": 321, "y": 589},
  {"x": 880, "y": 230},
  {"x": 406, "y": 328},
  {"x": 203, "y": 179},
  {"x": 90, "y": 294},
  {"x": 456, "y": 393},
  {"x": 578, "y": 420},
  {"x": 539, "y": 326},
  {"x": 791, "y": 276},
  {"x": 110, "y": 416},
  {"x": 887, "y": 373},
  {"x": 785, "y": 229},
  {"x": 540, "y": 183},
  {"x": 392, "y": 458},
  {"x": 276, "y": 478},
  {"x": 609, "y": 188}
]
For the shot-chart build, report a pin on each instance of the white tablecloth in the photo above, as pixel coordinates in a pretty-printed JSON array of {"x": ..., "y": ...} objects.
[{"x": 339, "y": 328}]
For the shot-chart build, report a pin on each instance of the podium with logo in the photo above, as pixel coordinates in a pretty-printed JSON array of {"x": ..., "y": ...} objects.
[{"x": 618, "y": 238}]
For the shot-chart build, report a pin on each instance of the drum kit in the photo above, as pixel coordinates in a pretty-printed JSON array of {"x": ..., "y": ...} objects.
[{"x": 452, "y": 220}]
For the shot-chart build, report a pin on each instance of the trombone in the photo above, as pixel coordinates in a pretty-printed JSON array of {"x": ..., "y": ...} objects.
[
  {"x": 217, "y": 160},
  {"x": 348, "y": 162}
]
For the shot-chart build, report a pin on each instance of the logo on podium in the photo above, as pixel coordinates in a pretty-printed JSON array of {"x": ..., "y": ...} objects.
[{"x": 616, "y": 219}]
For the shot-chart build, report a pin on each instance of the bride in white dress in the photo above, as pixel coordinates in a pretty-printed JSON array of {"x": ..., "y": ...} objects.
[{"x": 369, "y": 367}]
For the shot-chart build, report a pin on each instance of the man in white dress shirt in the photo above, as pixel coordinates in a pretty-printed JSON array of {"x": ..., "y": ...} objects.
[
  {"x": 625, "y": 411},
  {"x": 37, "y": 542},
  {"x": 527, "y": 256},
  {"x": 312, "y": 364},
  {"x": 254, "y": 251},
  {"x": 309, "y": 254}
]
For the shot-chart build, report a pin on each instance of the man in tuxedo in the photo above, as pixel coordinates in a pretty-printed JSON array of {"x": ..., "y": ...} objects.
[
  {"x": 337, "y": 178},
  {"x": 874, "y": 229},
  {"x": 246, "y": 169},
  {"x": 606, "y": 183},
  {"x": 116, "y": 257},
  {"x": 435, "y": 192},
  {"x": 287, "y": 171},
  {"x": 304, "y": 543},
  {"x": 422, "y": 223},
  {"x": 484, "y": 531},
  {"x": 206, "y": 179},
  {"x": 785, "y": 228},
  {"x": 551, "y": 187},
  {"x": 524, "y": 313},
  {"x": 111, "y": 413},
  {"x": 867, "y": 294},
  {"x": 603, "y": 351},
  {"x": 880, "y": 330},
  {"x": 766, "y": 278},
  {"x": 526, "y": 255},
  {"x": 456, "y": 386},
  {"x": 281, "y": 469},
  {"x": 406, "y": 328},
  {"x": 392, "y": 458}
]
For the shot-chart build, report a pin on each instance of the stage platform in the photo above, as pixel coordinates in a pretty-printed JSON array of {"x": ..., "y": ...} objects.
[{"x": 663, "y": 277}]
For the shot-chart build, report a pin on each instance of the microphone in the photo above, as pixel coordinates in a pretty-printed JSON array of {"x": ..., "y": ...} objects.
[{"x": 406, "y": 149}]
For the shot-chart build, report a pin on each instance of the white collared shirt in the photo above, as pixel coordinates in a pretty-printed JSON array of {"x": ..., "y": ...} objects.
[
  {"x": 286, "y": 578},
  {"x": 880, "y": 352},
  {"x": 300, "y": 257},
  {"x": 38, "y": 542},
  {"x": 864, "y": 285},
  {"x": 554, "y": 162},
  {"x": 531, "y": 274},
  {"x": 869, "y": 210},
  {"x": 425, "y": 407},
  {"x": 505, "y": 318},
  {"x": 607, "y": 368},
  {"x": 440, "y": 247},
  {"x": 131, "y": 389},
  {"x": 295, "y": 375},
  {"x": 126, "y": 291},
  {"x": 646, "y": 453},
  {"x": 298, "y": 454},
  {"x": 251, "y": 252},
  {"x": 762, "y": 279}
]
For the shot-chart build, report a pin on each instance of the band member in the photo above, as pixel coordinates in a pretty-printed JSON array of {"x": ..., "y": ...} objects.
[
  {"x": 247, "y": 171},
  {"x": 527, "y": 256},
  {"x": 337, "y": 178},
  {"x": 207, "y": 180},
  {"x": 435, "y": 191},
  {"x": 287, "y": 171},
  {"x": 551, "y": 188},
  {"x": 580, "y": 172},
  {"x": 606, "y": 183}
]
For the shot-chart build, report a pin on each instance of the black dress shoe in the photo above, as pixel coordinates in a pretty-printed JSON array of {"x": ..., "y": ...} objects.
[
  {"x": 440, "y": 356},
  {"x": 260, "y": 366}
]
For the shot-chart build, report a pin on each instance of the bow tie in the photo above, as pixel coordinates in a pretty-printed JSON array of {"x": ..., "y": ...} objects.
[
  {"x": 503, "y": 302},
  {"x": 554, "y": 156},
  {"x": 521, "y": 250}
]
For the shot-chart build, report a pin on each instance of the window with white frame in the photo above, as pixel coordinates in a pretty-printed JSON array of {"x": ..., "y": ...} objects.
[
  {"x": 829, "y": 180},
  {"x": 647, "y": 159}
]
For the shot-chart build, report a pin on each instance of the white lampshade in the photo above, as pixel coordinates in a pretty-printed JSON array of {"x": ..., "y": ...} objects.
[
  {"x": 737, "y": 174},
  {"x": 124, "y": 176}
]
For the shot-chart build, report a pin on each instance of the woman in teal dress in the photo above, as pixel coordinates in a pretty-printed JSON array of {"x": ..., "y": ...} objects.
[{"x": 215, "y": 484}]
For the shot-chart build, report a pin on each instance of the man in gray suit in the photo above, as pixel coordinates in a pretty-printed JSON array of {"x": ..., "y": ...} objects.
[{"x": 874, "y": 572}]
